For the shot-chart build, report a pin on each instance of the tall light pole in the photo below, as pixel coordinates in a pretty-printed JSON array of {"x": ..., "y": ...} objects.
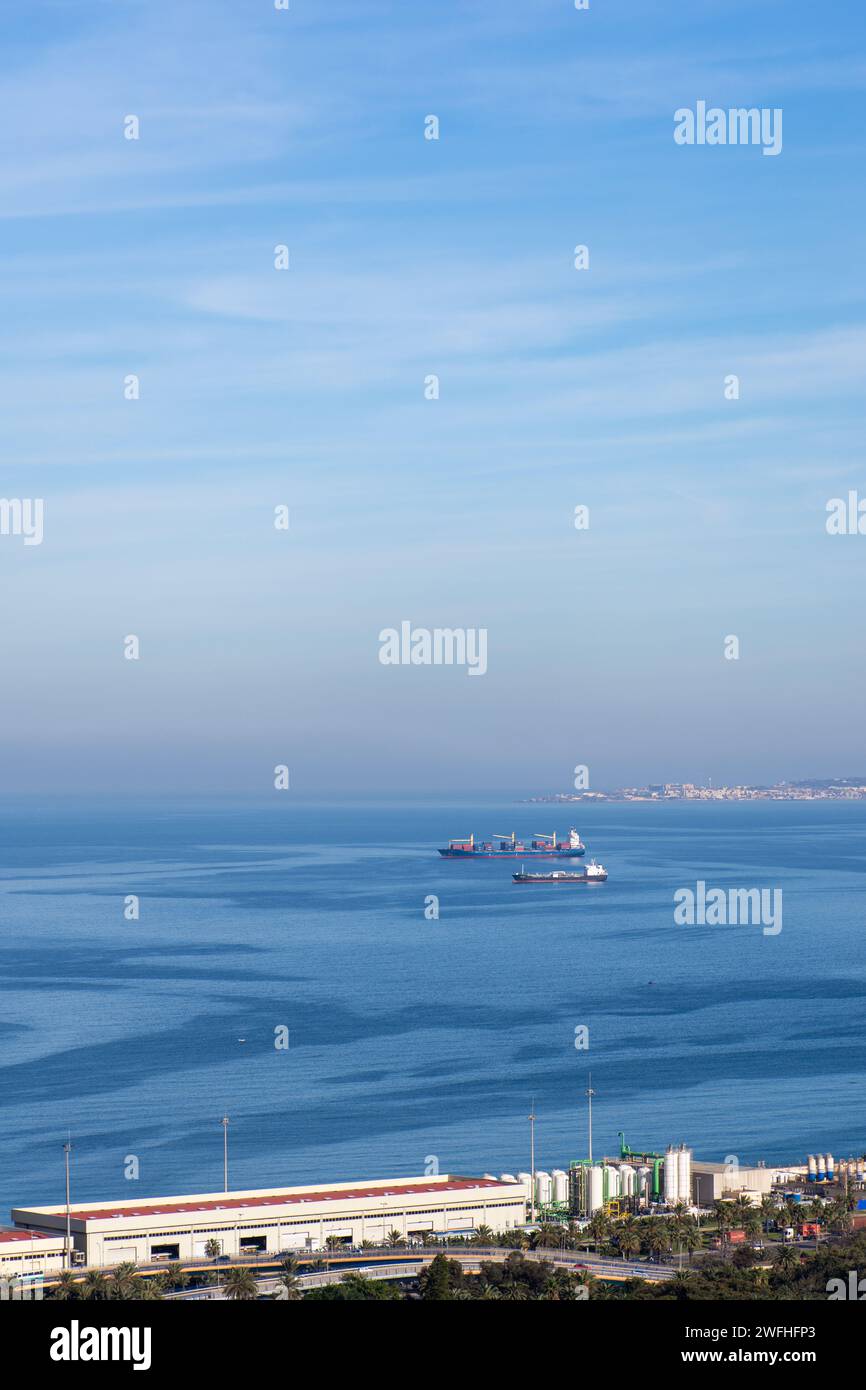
[
  {"x": 225, "y": 1124},
  {"x": 532, "y": 1118},
  {"x": 589, "y": 1093},
  {"x": 67, "y": 1150}
]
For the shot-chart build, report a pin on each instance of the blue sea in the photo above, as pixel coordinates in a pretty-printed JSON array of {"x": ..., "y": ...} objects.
[{"x": 415, "y": 1041}]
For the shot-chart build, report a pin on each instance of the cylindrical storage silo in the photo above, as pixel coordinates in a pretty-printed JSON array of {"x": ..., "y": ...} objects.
[
  {"x": 611, "y": 1181},
  {"x": 560, "y": 1185},
  {"x": 811, "y": 1168},
  {"x": 645, "y": 1183},
  {"x": 861, "y": 1168},
  {"x": 829, "y": 1163},
  {"x": 543, "y": 1188},
  {"x": 507, "y": 1177},
  {"x": 595, "y": 1189},
  {"x": 684, "y": 1175},
  {"x": 627, "y": 1180},
  {"x": 821, "y": 1169},
  {"x": 526, "y": 1179},
  {"x": 671, "y": 1176}
]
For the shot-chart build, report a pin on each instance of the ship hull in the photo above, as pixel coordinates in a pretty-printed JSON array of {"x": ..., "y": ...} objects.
[
  {"x": 544, "y": 878},
  {"x": 512, "y": 853}
]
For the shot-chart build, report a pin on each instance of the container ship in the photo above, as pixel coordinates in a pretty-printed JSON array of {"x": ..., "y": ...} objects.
[
  {"x": 593, "y": 873},
  {"x": 509, "y": 847}
]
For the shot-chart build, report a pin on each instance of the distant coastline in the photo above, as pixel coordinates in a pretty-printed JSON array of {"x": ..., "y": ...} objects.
[{"x": 816, "y": 789}]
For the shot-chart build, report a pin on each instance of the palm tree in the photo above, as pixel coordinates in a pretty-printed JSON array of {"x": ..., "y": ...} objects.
[
  {"x": 787, "y": 1259},
  {"x": 241, "y": 1284},
  {"x": 394, "y": 1237},
  {"x": 121, "y": 1282},
  {"x": 212, "y": 1249},
  {"x": 288, "y": 1280},
  {"x": 658, "y": 1239},
  {"x": 94, "y": 1285},
  {"x": 547, "y": 1237},
  {"x": 767, "y": 1211},
  {"x": 724, "y": 1219},
  {"x": 367, "y": 1245},
  {"x": 515, "y": 1293},
  {"x": 515, "y": 1240},
  {"x": 150, "y": 1289},
  {"x": 692, "y": 1239},
  {"x": 176, "y": 1276},
  {"x": 483, "y": 1236},
  {"x": 837, "y": 1216},
  {"x": 628, "y": 1238},
  {"x": 679, "y": 1284},
  {"x": 333, "y": 1243},
  {"x": 598, "y": 1228},
  {"x": 67, "y": 1286}
]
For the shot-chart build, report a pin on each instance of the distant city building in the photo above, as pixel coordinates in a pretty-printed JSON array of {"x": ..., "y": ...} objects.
[{"x": 838, "y": 789}]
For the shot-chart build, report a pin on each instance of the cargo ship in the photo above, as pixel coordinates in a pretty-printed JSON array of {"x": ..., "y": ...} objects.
[
  {"x": 509, "y": 847},
  {"x": 593, "y": 873}
]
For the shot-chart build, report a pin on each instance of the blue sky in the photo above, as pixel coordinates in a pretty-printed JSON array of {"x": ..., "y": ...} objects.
[{"x": 558, "y": 388}]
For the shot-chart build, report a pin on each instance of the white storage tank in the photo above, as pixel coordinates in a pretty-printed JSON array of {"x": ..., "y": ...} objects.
[
  {"x": 595, "y": 1189},
  {"x": 610, "y": 1177},
  {"x": 684, "y": 1175},
  {"x": 645, "y": 1183},
  {"x": 829, "y": 1163},
  {"x": 543, "y": 1188},
  {"x": 627, "y": 1180},
  {"x": 811, "y": 1168},
  {"x": 822, "y": 1171},
  {"x": 672, "y": 1171},
  {"x": 560, "y": 1185},
  {"x": 526, "y": 1179}
]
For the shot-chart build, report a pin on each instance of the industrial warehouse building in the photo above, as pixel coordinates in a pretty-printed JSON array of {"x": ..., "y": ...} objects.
[
  {"x": 284, "y": 1218},
  {"x": 713, "y": 1181},
  {"x": 29, "y": 1253}
]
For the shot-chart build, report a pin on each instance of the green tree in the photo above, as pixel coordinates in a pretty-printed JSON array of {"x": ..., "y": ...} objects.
[
  {"x": 176, "y": 1276},
  {"x": 355, "y": 1288},
  {"x": 95, "y": 1286},
  {"x": 435, "y": 1281},
  {"x": 121, "y": 1282},
  {"x": 598, "y": 1228},
  {"x": 658, "y": 1238},
  {"x": 548, "y": 1236},
  {"x": 288, "y": 1280},
  {"x": 628, "y": 1238},
  {"x": 66, "y": 1287},
  {"x": 241, "y": 1284}
]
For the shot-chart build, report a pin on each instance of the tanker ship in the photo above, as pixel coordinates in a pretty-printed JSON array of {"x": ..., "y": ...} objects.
[
  {"x": 593, "y": 873},
  {"x": 509, "y": 847}
]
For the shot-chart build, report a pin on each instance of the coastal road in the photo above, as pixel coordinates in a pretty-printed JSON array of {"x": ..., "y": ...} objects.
[{"x": 398, "y": 1264}]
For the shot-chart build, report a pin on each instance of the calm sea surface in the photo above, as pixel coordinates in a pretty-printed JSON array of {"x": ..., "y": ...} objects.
[{"x": 411, "y": 1038}]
